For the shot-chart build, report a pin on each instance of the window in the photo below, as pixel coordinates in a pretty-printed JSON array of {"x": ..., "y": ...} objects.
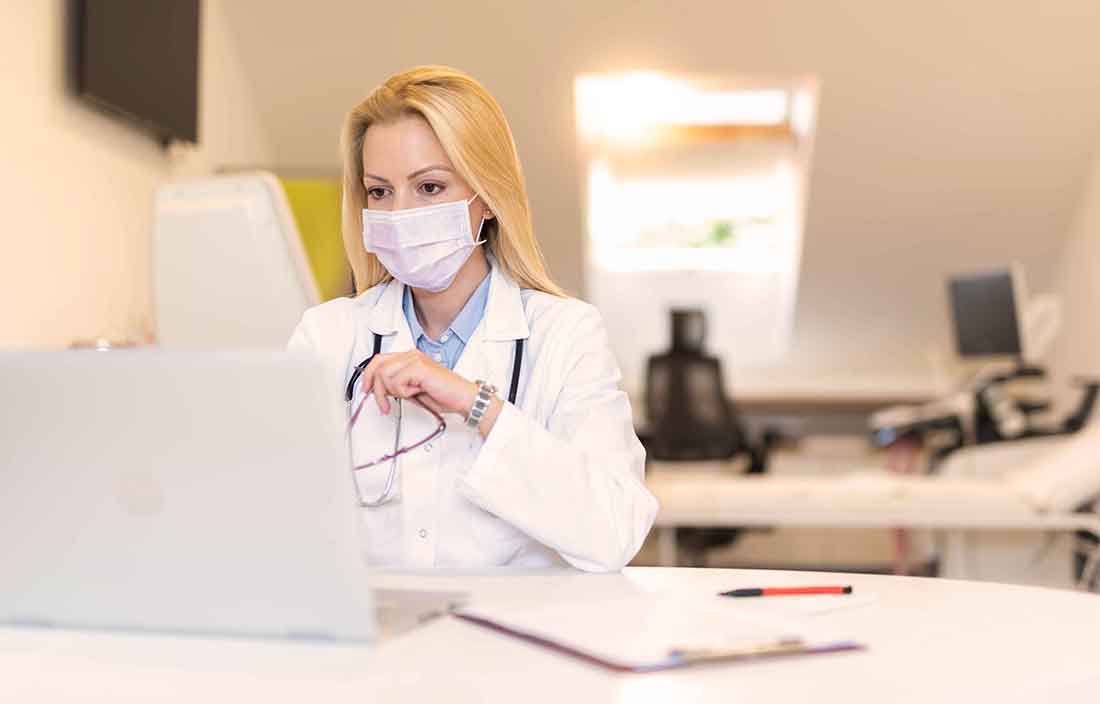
[{"x": 694, "y": 197}]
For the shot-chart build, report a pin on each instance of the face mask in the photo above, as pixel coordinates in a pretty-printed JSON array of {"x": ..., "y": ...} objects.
[{"x": 422, "y": 247}]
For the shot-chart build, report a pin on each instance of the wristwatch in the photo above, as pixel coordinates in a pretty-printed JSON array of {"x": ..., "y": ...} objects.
[{"x": 485, "y": 393}]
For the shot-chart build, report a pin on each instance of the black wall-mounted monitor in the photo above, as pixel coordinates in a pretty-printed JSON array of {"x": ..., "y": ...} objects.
[
  {"x": 139, "y": 59},
  {"x": 986, "y": 311}
]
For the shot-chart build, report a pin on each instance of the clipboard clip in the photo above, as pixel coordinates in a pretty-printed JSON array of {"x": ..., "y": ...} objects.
[{"x": 784, "y": 646}]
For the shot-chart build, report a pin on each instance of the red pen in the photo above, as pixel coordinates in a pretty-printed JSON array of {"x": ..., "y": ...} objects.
[{"x": 787, "y": 591}]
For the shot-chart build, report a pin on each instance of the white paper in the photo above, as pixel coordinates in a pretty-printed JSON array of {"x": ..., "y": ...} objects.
[{"x": 642, "y": 631}]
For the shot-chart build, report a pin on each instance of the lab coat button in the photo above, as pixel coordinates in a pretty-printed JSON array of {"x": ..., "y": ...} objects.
[
  {"x": 428, "y": 447},
  {"x": 423, "y": 533}
]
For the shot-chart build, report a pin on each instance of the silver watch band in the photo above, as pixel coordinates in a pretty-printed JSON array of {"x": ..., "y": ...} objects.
[{"x": 485, "y": 393}]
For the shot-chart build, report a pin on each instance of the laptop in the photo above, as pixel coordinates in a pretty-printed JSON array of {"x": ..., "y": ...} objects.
[{"x": 178, "y": 491}]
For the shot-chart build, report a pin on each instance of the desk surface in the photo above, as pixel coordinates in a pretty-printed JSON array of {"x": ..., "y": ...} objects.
[{"x": 929, "y": 641}]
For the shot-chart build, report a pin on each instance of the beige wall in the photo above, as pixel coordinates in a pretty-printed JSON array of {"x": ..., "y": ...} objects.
[
  {"x": 1077, "y": 351},
  {"x": 77, "y": 186},
  {"x": 953, "y": 135}
]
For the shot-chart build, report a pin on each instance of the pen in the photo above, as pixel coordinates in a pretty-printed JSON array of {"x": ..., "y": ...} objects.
[{"x": 787, "y": 591}]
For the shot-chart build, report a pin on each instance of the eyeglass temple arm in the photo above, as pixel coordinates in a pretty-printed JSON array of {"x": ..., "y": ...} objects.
[{"x": 439, "y": 430}]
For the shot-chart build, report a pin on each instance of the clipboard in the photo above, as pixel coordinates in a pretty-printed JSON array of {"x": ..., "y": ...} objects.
[{"x": 653, "y": 634}]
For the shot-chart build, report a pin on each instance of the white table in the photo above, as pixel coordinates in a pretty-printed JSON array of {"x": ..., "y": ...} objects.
[
  {"x": 952, "y": 507},
  {"x": 929, "y": 641}
]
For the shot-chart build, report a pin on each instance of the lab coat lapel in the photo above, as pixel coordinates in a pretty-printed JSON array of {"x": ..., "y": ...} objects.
[
  {"x": 387, "y": 318},
  {"x": 489, "y": 353}
]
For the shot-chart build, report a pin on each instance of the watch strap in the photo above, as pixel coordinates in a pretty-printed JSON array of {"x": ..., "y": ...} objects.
[{"x": 485, "y": 393}]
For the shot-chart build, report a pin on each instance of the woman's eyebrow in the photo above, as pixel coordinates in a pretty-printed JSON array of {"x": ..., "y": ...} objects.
[
  {"x": 414, "y": 174},
  {"x": 426, "y": 169}
]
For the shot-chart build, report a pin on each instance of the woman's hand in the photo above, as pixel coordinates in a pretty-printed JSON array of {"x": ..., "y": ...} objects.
[{"x": 412, "y": 373}]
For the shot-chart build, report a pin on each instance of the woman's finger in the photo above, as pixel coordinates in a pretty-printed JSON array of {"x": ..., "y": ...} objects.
[
  {"x": 378, "y": 388},
  {"x": 400, "y": 375},
  {"x": 430, "y": 403},
  {"x": 449, "y": 392},
  {"x": 405, "y": 380},
  {"x": 390, "y": 371},
  {"x": 372, "y": 382},
  {"x": 366, "y": 379}
]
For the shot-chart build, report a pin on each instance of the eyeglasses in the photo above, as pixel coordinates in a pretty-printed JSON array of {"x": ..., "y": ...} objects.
[{"x": 391, "y": 457}]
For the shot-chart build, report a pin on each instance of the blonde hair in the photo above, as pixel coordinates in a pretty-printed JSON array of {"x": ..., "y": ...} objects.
[{"x": 474, "y": 133}]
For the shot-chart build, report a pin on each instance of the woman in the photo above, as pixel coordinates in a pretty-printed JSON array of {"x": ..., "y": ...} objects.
[{"x": 497, "y": 393}]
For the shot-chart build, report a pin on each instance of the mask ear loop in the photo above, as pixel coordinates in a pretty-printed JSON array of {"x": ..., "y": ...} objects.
[{"x": 477, "y": 237}]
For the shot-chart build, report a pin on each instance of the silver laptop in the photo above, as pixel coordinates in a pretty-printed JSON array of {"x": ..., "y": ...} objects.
[{"x": 187, "y": 492}]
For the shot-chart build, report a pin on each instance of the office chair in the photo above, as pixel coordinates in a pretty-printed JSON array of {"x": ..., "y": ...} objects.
[{"x": 692, "y": 419}]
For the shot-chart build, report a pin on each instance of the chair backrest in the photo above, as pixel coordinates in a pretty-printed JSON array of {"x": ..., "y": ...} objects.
[
  {"x": 689, "y": 414},
  {"x": 229, "y": 265},
  {"x": 315, "y": 204}
]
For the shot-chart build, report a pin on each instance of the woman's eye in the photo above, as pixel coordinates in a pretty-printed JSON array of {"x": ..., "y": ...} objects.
[
  {"x": 376, "y": 192},
  {"x": 431, "y": 189}
]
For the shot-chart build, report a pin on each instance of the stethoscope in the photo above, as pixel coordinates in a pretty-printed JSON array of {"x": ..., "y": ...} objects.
[{"x": 349, "y": 394}]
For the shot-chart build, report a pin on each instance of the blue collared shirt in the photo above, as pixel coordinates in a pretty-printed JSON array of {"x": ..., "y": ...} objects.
[{"x": 453, "y": 340}]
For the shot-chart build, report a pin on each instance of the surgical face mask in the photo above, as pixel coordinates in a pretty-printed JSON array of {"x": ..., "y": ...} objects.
[{"x": 422, "y": 247}]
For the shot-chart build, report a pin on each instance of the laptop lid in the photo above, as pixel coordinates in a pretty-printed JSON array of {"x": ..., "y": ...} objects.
[{"x": 182, "y": 491}]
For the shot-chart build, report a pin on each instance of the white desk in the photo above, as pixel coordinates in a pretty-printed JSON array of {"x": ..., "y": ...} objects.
[{"x": 930, "y": 641}]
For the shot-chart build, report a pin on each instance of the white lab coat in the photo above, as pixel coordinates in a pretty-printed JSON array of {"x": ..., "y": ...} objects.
[{"x": 561, "y": 473}]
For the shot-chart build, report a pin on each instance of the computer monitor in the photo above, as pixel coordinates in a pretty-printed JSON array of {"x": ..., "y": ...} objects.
[{"x": 986, "y": 309}]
